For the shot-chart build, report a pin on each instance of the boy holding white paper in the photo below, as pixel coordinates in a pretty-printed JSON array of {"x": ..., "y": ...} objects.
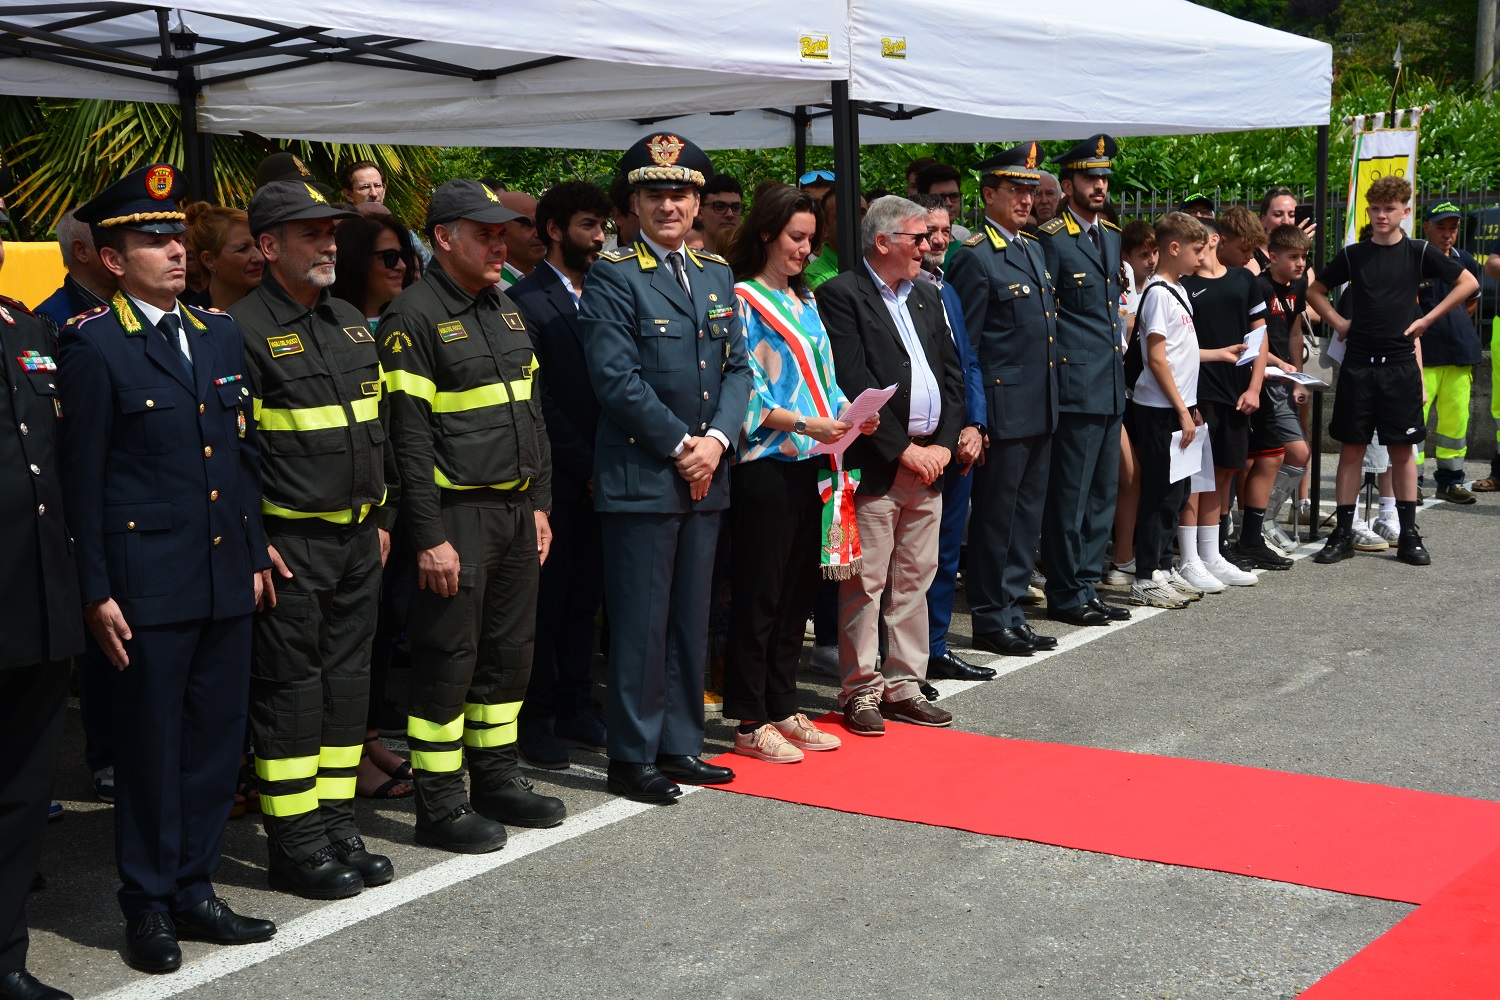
[{"x": 1165, "y": 395}]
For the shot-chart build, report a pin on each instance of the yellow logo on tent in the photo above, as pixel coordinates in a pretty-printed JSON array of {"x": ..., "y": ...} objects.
[
  {"x": 814, "y": 46},
  {"x": 893, "y": 48}
]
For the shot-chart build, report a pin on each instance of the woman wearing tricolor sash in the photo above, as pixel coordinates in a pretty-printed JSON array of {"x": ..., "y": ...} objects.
[{"x": 793, "y": 511}]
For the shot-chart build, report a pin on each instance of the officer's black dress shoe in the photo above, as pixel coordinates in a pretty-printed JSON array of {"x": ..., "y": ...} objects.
[
  {"x": 690, "y": 770},
  {"x": 213, "y": 920},
  {"x": 321, "y": 875},
  {"x": 516, "y": 803},
  {"x": 374, "y": 869},
  {"x": 1081, "y": 615},
  {"x": 641, "y": 783},
  {"x": 1340, "y": 546},
  {"x": 23, "y": 985},
  {"x": 952, "y": 667},
  {"x": 462, "y": 831},
  {"x": 1410, "y": 550},
  {"x": 1042, "y": 642},
  {"x": 1007, "y": 642},
  {"x": 151, "y": 943},
  {"x": 1114, "y": 611},
  {"x": 928, "y": 691}
]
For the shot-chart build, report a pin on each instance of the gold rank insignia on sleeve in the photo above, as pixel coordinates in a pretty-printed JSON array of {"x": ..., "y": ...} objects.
[
  {"x": 359, "y": 334},
  {"x": 1053, "y": 226},
  {"x": 618, "y": 254},
  {"x": 514, "y": 320},
  {"x": 451, "y": 330},
  {"x": 286, "y": 344}
]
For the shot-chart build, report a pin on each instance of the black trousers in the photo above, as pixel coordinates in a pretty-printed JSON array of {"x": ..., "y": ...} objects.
[
  {"x": 1151, "y": 429},
  {"x": 1009, "y": 492},
  {"x": 471, "y": 655},
  {"x": 179, "y": 713},
  {"x": 31, "y": 717},
  {"x": 774, "y": 525},
  {"x": 572, "y": 585},
  {"x": 310, "y": 682}
]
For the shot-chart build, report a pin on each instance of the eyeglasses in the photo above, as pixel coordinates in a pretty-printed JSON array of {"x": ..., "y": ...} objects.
[
  {"x": 815, "y": 177},
  {"x": 951, "y": 196},
  {"x": 390, "y": 258},
  {"x": 916, "y": 238},
  {"x": 727, "y": 207}
]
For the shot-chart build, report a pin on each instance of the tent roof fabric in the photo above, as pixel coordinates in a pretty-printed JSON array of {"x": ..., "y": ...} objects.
[{"x": 600, "y": 73}]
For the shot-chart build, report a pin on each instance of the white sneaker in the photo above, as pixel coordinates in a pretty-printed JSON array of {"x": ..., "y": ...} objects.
[
  {"x": 1197, "y": 575},
  {"x": 1278, "y": 539},
  {"x": 1184, "y": 589},
  {"x": 1120, "y": 576},
  {"x": 1231, "y": 574},
  {"x": 824, "y": 660},
  {"x": 1388, "y": 527},
  {"x": 1366, "y": 540},
  {"x": 1156, "y": 592}
]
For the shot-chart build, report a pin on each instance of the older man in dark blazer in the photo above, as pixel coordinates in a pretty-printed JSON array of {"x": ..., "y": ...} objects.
[
  {"x": 887, "y": 329},
  {"x": 558, "y": 712}
]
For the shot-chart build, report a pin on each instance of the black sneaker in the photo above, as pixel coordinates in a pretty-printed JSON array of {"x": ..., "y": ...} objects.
[
  {"x": 1231, "y": 554},
  {"x": 1410, "y": 550},
  {"x": 1261, "y": 555},
  {"x": 1340, "y": 546}
]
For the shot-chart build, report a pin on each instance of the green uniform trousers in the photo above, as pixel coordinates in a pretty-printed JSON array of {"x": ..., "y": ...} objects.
[
  {"x": 310, "y": 682},
  {"x": 471, "y": 653},
  {"x": 1449, "y": 388}
]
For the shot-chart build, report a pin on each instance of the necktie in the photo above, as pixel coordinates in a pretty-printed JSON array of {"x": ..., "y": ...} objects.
[
  {"x": 674, "y": 261},
  {"x": 1096, "y": 239},
  {"x": 171, "y": 328}
]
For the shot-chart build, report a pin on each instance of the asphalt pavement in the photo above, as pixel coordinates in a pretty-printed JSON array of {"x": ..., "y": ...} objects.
[{"x": 1369, "y": 670}]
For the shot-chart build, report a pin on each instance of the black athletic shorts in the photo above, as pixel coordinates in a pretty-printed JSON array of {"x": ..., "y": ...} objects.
[
  {"x": 1228, "y": 433},
  {"x": 1385, "y": 398},
  {"x": 1276, "y": 422}
]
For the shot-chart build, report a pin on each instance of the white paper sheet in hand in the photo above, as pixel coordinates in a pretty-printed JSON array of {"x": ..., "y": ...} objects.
[
  {"x": 1203, "y": 479},
  {"x": 865, "y": 406},
  {"x": 1254, "y": 340},
  {"x": 1336, "y": 350},
  {"x": 1301, "y": 378},
  {"x": 1184, "y": 462}
]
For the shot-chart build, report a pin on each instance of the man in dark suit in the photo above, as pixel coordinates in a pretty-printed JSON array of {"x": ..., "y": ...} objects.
[
  {"x": 557, "y": 711},
  {"x": 43, "y": 627},
  {"x": 1002, "y": 279},
  {"x": 666, "y": 355},
  {"x": 161, "y": 475},
  {"x": 88, "y": 285},
  {"x": 1082, "y": 251},
  {"x": 887, "y": 328}
]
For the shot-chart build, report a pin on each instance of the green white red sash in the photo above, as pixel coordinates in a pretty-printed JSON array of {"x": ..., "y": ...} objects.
[{"x": 840, "y": 558}]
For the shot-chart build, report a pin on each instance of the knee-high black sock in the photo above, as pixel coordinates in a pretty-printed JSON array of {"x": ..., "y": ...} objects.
[{"x": 1406, "y": 513}]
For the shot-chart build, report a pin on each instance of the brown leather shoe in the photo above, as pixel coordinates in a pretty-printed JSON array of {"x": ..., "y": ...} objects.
[
  {"x": 862, "y": 715},
  {"x": 917, "y": 711}
]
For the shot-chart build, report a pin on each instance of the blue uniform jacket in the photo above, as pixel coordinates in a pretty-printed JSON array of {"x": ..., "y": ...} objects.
[
  {"x": 1091, "y": 369},
  {"x": 663, "y": 367},
  {"x": 71, "y": 299},
  {"x": 953, "y": 307},
  {"x": 1007, "y": 301},
  {"x": 161, "y": 474},
  {"x": 1452, "y": 338},
  {"x": 569, "y": 406}
]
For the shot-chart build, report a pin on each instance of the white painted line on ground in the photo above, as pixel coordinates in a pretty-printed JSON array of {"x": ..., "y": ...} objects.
[{"x": 330, "y": 919}]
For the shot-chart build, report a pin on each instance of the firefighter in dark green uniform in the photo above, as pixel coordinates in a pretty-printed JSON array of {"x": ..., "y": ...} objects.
[
  {"x": 476, "y": 473},
  {"x": 315, "y": 380}
]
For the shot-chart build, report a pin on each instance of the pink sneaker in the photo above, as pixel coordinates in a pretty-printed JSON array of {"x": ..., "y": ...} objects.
[
  {"x": 803, "y": 735},
  {"x": 766, "y": 744}
]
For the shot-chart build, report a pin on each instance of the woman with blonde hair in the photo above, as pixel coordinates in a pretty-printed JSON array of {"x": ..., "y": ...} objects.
[{"x": 230, "y": 258}]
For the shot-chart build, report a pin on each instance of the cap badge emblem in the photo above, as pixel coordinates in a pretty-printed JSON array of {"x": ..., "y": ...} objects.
[
  {"x": 1099, "y": 150},
  {"x": 665, "y": 149},
  {"x": 1031, "y": 157},
  {"x": 315, "y": 194},
  {"x": 159, "y": 182}
]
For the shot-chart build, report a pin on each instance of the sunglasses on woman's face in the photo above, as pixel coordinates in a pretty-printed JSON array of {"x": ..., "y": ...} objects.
[{"x": 390, "y": 258}]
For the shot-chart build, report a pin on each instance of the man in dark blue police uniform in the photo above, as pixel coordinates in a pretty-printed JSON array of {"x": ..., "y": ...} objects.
[
  {"x": 41, "y": 623},
  {"x": 667, "y": 358},
  {"x": 162, "y": 482},
  {"x": 1002, "y": 279},
  {"x": 1082, "y": 252}
]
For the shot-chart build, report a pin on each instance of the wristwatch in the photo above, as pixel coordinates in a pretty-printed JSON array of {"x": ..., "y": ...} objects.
[{"x": 801, "y": 425}]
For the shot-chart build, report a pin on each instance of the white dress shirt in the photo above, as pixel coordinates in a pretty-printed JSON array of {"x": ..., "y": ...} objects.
[
  {"x": 926, "y": 398},
  {"x": 661, "y": 254},
  {"x": 566, "y": 281},
  {"x": 154, "y": 315}
]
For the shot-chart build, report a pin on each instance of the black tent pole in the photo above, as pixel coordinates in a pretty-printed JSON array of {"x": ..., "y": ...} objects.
[
  {"x": 1320, "y": 246},
  {"x": 846, "y": 173},
  {"x": 197, "y": 147},
  {"x": 799, "y": 138}
]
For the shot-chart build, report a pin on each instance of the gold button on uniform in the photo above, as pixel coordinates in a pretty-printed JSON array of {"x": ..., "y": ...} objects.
[
  {"x": 218, "y": 539},
  {"x": 208, "y": 451},
  {"x": 25, "y": 430},
  {"x": 150, "y": 403},
  {"x": 702, "y": 365},
  {"x": 213, "y": 494},
  {"x": 36, "y": 470},
  {"x": 705, "y": 395},
  {"x": 41, "y": 509},
  {"x": 200, "y": 407},
  {"x": 129, "y": 525}
]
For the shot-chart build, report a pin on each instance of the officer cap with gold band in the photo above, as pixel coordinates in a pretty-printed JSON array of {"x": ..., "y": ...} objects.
[
  {"x": 666, "y": 160},
  {"x": 289, "y": 201},
  {"x": 144, "y": 200},
  {"x": 1093, "y": 156},
  {"x": 1018, "y": 164}
]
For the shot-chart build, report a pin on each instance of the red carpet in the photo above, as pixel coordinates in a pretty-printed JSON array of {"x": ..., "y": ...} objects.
[{"x": 1345, "y": 836}]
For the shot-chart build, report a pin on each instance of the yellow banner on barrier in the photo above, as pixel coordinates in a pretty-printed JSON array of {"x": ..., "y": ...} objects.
[{"x": 32, "y": 272}]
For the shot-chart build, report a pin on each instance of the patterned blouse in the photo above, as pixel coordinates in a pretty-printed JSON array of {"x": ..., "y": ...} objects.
[{"x": 779, "y": 383}]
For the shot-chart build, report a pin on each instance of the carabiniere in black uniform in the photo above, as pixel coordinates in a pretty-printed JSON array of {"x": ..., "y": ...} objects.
[{"x": 319, "y": 409}]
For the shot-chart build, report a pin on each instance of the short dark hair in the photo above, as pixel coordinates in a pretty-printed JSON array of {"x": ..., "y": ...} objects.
[
  {"x": 562, "y": 201},
  {"x": 620, "y": 190},
  {"x": 721, "y": 184},
  {"x": 876, "y": 192},
  {"x": 113, "y": 238},
  {"x": 936, "y": 173},
  {"x": 1137, "y": 234},
  {"x": 355, "y": 240},
  {"x": 930, "y": 202},
  {"x": 919, "y": 164},
  {"x": 346, "y": 172},
  {"x": 1287, "y": 237},
  {"x": 764, "y": 222}
]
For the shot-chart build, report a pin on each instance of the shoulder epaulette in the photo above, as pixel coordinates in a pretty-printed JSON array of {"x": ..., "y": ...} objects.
[
  {"x": 1110, "y": 225},
  {"x": 618, "y": 254},
  {"x": 206, "y": 309},
  {"x": 6, "y": 300},
  {"x": 1053, "y": 226},
  {"x": 82, "y": 318},
  {"x": 705, "y": 255},
  {"x": 975, "y": 240}
]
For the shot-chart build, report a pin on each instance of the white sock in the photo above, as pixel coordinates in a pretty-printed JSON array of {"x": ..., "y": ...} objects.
[
  {"x": 1208, "y": 542},
  {"x": 1387, "y": 506},
  {"x": 1187, "y": 543}
]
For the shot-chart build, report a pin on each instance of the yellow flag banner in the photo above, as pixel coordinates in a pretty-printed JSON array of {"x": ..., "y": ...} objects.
[{"x": 1382, "y": 148}]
